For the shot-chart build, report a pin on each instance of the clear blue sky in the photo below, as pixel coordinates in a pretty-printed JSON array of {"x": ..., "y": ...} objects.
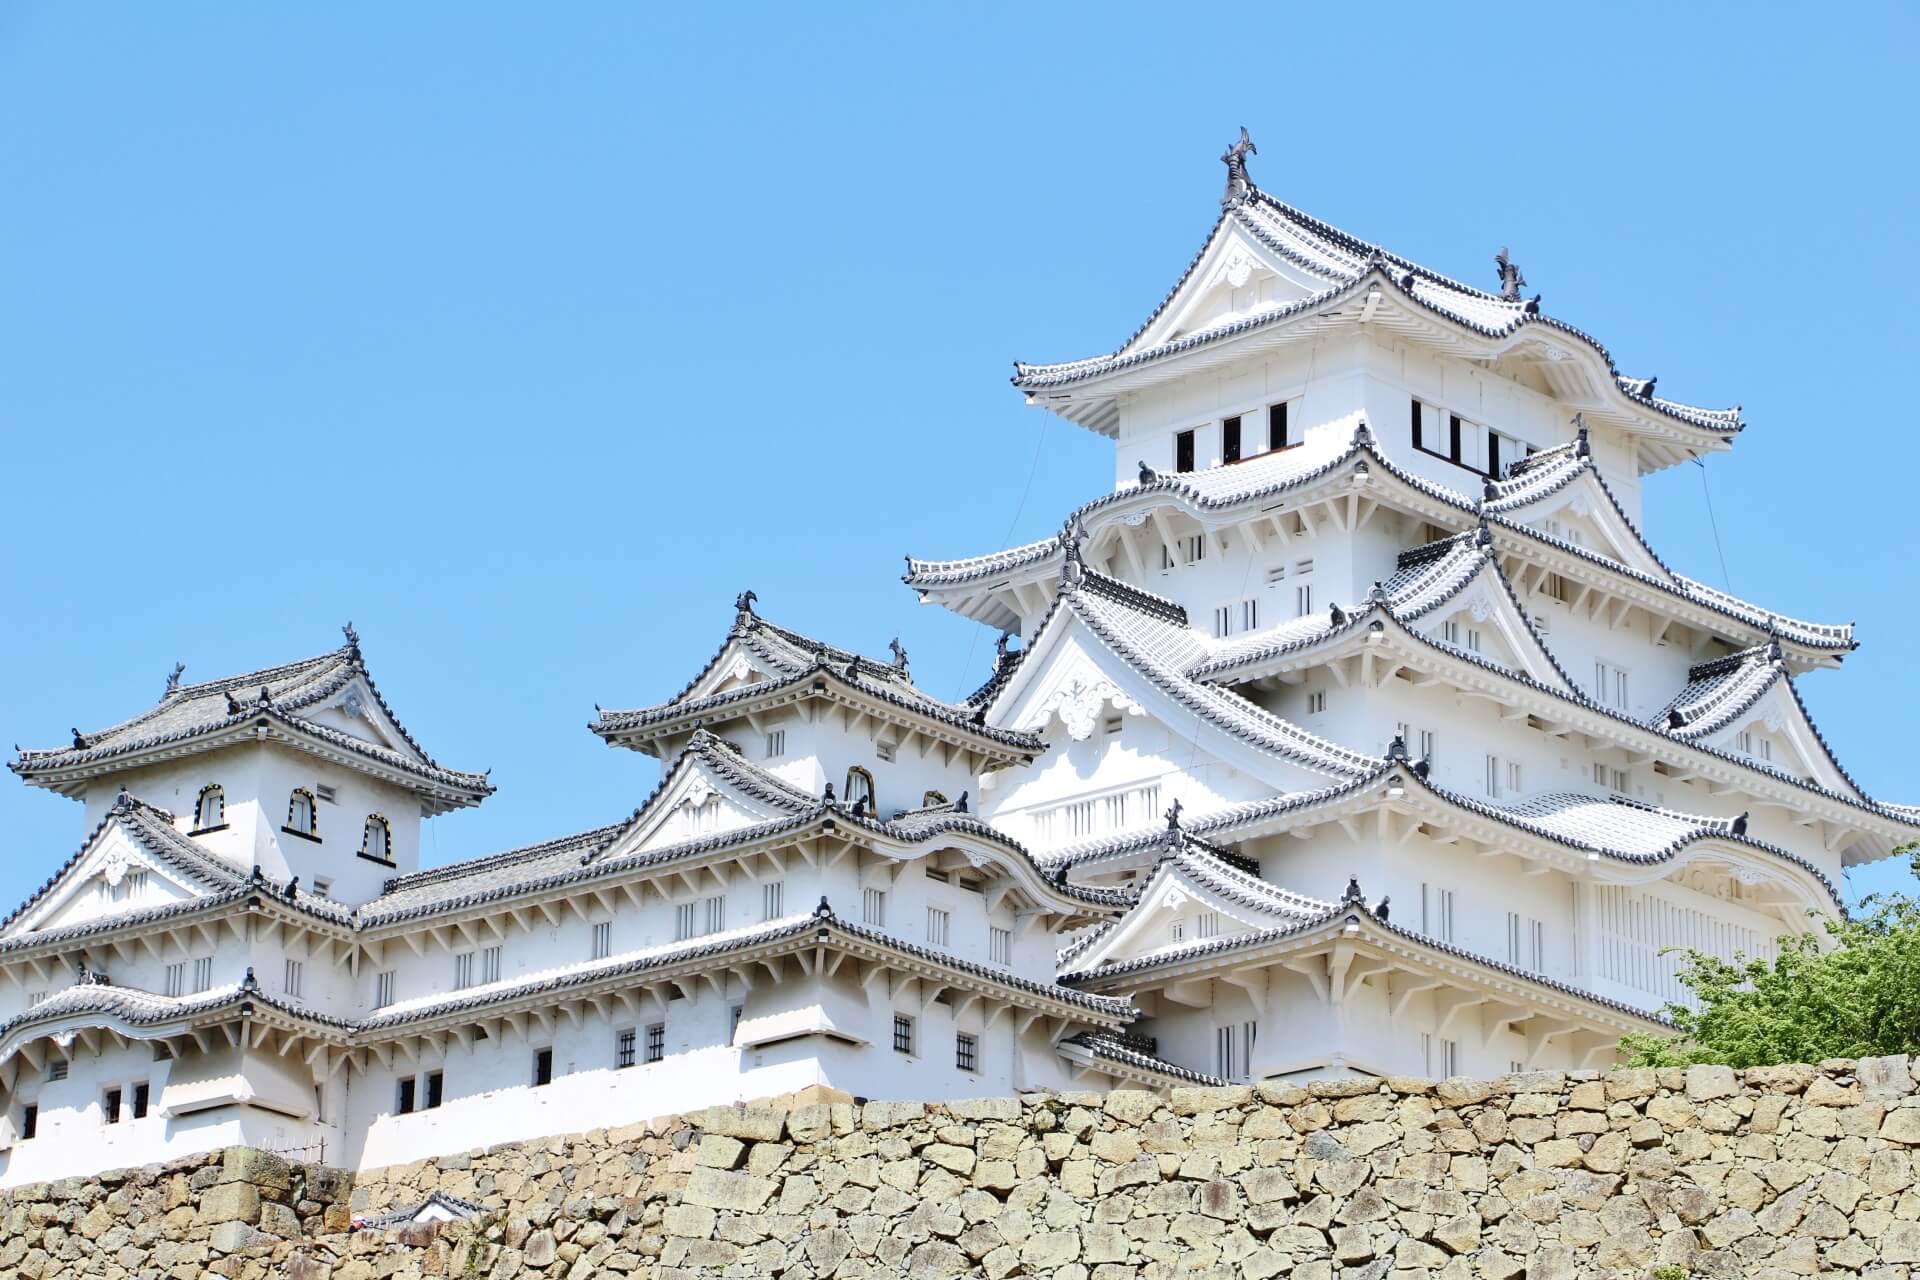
[{"x": 526, "y": 336}]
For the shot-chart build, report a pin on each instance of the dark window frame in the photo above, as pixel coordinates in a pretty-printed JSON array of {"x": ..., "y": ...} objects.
[
  {"x": 903, "y": 1034},
  {"x": 1184, "y": 449},
  {"x": 142, "y": 1095},
  {"x": 29, "y": 1121},
  {"x": 1456, "y": 435},
  {"x": 966, "y": 1051},
  {"x": 656, "y": 1044},
  {"x": 405, "y": 1096},
  {"x": 1230, "y": 439},
  {"x": 626, "y": 1047},
  {"x": 436, "y": 1090},
  {"x": 543, "y": 1066},
  {"x": 110, "y": 1104},
  {"x": 1277, "y": 427}
]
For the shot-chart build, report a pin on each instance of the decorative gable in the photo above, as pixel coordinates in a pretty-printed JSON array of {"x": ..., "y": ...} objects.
[
  {"x": 1236, "y": 278},
  {"x": 732, "y": 668},
  {"x": 114, "y": 875},
  {"x": 1190, "y": 901},
  {"x": 1776, "y": 734},
  {"x": 356, "y": 712},
  {"x": 1481, "y": 620},
  {"x": 708, "y": 791},
  {"x": 1583, "y": 515}
]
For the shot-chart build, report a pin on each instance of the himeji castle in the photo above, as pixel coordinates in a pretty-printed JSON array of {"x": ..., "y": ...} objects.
[{"x": 1357, "y": 730}]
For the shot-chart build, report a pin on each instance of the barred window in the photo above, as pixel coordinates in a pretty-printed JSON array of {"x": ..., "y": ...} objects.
[
  {"x": 683, "y": 921},
  {"x": 624, "y": 1047},
  {"x": 383, "y": 989},
  {"x": 966, "y": 1052},
  {"x": 939, "y": 926},
  {"x": 902, "y": 1033},
  {"x": 873, "y": 907},
  {"x": 602, "y": 940},
  {"x": 295, "y": 971},
  {"x": 656, "y": 1041},
  {"x": 202, "y": 974},
  {"x": 773, "y": 899},
  {"x": 462, "y": 970},
  {"x": 490, "y": 965},
  {"x": 1000, "y": 945}
]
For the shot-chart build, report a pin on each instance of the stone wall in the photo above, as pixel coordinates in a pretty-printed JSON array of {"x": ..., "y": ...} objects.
[{"x": 1773, "y": 1172}]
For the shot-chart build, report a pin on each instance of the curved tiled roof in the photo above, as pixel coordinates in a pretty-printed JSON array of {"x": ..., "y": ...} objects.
[
  {"x": 791, "y": 660},
  {"x": 568, "y": 977},
  {"x": 152, "y": 829},
  {"x": 1162, "y": 650},
  {"x": 1140, "y": 1053},
  {"x": 1183, "y": 858},
  {"x": 1345, "y": 262},
  {"x": 1218, "y": 490},
  {"x": 1349, "y": 913},
  {"x": 135, "y": 1007},
  {"x": 585, "y": 856},
  {"x": 189, "y": 712}
]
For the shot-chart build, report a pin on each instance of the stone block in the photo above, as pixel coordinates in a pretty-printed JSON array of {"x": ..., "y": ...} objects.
[
  {"x": 1194, "y": 1100},
  {"x": 726, "y": 1189},
  {"x": 718, "y": 1151},
  {"x": 755, "y": 1124},
  {"x": 232, "y": 1237},
  {"x": 1902, "y": 1125},
  {"x": 1707, "y": 1082},
  {"x": 1131, "y": 1106},
  {"x": 230, "y": 1202},
  {"x": 261, "y": 1168}
]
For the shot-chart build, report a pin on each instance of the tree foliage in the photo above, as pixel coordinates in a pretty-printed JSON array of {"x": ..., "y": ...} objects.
[{"x": 1857, "y": 998}]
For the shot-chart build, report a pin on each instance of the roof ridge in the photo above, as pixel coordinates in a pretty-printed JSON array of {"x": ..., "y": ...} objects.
[{"x": 1132, "y": 597}]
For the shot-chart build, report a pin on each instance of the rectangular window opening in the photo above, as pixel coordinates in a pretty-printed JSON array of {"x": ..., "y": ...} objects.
[
  {"x": 1230, "y": 440},
  {"x": 542, "y": 1066},
  {"x": 1183, "y": 451}
]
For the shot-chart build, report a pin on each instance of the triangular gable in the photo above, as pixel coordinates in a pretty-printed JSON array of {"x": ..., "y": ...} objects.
[
  {"x": 115, "y": 874},
  {"x": 1479, "y": 616},
  {"x": 1584, "y": 513},
  {"x": 733, "y": 667},
  {"x": 1236, "y": 276},
  {"x": 358, "y": 713},
  {"x": 1071, "y": 678},
  {"x": 1180, "y": 907},
  {"x": 1776, "y": 733},
  {"x": 705, "y": 793}
]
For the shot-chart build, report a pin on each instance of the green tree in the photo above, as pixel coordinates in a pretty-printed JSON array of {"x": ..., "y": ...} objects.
[{"x": 1858, "y": 998}]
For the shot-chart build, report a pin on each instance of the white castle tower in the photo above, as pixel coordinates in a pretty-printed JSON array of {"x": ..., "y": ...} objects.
[
  {"x": 1357, "y": 730},
  {"x": 1449, "y": 754}
]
